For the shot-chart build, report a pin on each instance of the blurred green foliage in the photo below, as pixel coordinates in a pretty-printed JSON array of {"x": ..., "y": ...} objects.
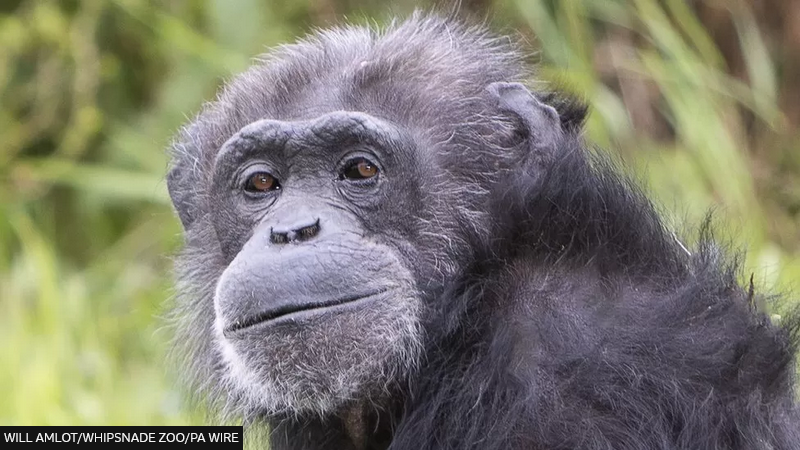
[{"x": 696, "y": 96}]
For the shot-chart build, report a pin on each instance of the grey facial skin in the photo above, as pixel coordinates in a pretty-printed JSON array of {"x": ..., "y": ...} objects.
[
  {"x": 391, "y": 242},
  {"x": 308, "y": 286}
]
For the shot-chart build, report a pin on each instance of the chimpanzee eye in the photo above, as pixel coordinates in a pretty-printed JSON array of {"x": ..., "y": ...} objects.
[
  {"x": 359, "y": 169},
  {"x": 261, "y": 182}
]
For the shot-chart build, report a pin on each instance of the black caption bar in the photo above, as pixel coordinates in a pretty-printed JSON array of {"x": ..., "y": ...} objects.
[{"x": 97, "y": 436}]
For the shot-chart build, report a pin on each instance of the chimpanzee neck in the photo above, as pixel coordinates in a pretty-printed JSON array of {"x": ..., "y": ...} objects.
[{"x": 577, "y": 206}]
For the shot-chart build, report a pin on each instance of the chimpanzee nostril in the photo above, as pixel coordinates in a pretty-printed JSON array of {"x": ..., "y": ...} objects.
[
  {"x": 294, "y": 234},
  {"x": 277, "y": 237},
  {"x": 307, "y": 232}
]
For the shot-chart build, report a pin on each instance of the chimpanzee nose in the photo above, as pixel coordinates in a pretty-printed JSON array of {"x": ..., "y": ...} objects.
[{"x": 299, "y": 232}]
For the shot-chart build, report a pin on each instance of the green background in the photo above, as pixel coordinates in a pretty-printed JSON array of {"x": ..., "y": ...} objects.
[{"x": 700, "y": 98}]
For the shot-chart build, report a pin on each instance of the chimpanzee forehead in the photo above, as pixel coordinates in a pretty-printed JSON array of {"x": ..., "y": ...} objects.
[{"x": 337, "y": 128}]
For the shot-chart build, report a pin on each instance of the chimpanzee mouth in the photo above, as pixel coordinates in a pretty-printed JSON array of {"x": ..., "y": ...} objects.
[{"x": 283, "y": 311}]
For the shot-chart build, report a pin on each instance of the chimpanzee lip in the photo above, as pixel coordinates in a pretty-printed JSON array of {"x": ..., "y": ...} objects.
[{"x": 283, "y": 311}]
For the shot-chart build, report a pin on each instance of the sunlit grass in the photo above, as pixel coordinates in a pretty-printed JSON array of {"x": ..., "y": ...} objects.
[{"x": 83, "y": 346}]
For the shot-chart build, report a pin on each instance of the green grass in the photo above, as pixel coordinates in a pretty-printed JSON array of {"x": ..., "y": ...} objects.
[{"x": 90, "y": 93}]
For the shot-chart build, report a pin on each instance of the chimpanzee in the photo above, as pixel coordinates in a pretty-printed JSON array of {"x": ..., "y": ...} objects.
[{"x": 392, "y": 243}]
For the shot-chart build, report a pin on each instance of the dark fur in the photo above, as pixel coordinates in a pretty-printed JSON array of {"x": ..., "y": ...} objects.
[{"x": 562, "y": 315}]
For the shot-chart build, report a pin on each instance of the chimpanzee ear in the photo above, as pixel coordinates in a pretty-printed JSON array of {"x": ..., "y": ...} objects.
[
  {"x": 540, "y": 121},
  {"x": 179, "y": 185}
]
